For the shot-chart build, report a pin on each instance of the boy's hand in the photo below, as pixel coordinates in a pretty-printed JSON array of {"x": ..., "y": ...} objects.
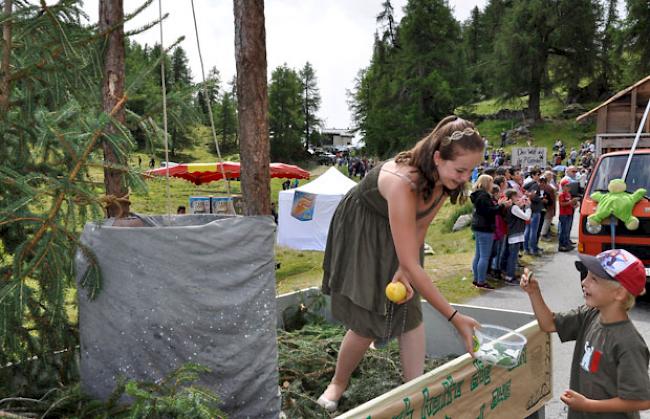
[
  {"x": 528, "y": 282},
  {"x": 575, "y": 400}
]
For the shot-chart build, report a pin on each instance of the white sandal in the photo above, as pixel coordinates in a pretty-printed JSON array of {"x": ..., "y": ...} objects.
[{"x": 327, "y": 404}]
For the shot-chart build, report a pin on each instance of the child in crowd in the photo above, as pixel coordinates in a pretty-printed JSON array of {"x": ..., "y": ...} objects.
[
  {"x": 609, "y": 372},
  {"x": 516, "y": 221}
]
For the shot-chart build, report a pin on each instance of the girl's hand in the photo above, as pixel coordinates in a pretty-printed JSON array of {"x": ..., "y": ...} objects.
[
  {"x": 401, "y": 277},
  {"x": 465, "y": 326},
  {"x": 575, "y": 400},
  {"x": 528, "y": 282}
]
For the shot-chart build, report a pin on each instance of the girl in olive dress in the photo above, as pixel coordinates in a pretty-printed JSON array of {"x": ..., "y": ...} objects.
[{"x": 377, "y": 235}]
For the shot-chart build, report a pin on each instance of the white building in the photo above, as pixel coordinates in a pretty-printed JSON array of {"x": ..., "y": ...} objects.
[{"x": 335, "y": 138}]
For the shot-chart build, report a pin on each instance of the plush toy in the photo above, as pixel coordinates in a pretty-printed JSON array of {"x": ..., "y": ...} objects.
[{"x": 618, "y": 203}]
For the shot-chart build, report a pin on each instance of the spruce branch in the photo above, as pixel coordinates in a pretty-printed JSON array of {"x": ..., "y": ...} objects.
[{"x": 73, "y": 174}]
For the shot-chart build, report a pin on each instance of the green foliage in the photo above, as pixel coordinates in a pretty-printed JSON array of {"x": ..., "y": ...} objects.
[
  {"x": 311, "y": 102},
  {"x": 180, "y": 70},
  {"x": 211, "y": 91},
  {"x": 535, "y": 30},
  {"x": 51, "y": 136},
  {"x": 145, "y": 105},
  {"x": 637, "y": 36},
  {"x": 307, "y": 358},
  {"x": 226, "y": 123},
  {"x": 546, "y": 52},
  {"x": 411, "y": 84},
  {"x": 285, "y": 115},
  {"x": 175, "y": 395}
]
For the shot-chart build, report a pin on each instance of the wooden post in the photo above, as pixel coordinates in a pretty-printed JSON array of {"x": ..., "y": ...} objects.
[
  {"x": 5, "y": 85},
  {"x": 111, "y": 12},
  {"x": 252, "y": 104}
]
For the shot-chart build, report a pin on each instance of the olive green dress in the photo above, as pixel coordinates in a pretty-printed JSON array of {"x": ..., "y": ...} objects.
[{"x": 360, "y": 260}]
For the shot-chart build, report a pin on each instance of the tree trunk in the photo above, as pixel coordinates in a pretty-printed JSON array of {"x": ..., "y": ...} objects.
[
  {"x": 535, "y": 92},
  {"x": 111, "y": 12},
  {"x": 253, "y": 104},
  {"x": 5, "y": 85}
]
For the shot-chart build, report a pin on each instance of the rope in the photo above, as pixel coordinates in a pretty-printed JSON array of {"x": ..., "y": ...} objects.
[
  {"x": 117, "y": 201},
  {"x": 164, "y": 103},
  {"x": 231, "y": 208}
]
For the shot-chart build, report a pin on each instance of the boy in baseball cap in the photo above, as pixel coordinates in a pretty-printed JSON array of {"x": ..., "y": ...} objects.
[{"x": 609, "y": 372}]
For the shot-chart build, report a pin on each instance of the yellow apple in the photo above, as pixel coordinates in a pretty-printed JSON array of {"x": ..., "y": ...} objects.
[{"x": 396, "y": 292}]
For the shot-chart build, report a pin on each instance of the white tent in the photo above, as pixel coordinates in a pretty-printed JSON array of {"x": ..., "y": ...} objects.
[{"x": 329, "y": 188}]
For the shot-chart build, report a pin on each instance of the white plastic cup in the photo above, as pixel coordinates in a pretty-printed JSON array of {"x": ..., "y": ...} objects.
[{"x": 499, "y": 346}]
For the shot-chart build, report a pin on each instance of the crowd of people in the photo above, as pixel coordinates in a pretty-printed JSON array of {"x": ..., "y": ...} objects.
[
  {"x": 513, "y": 211},
  {"x": 514, "y": 207}
]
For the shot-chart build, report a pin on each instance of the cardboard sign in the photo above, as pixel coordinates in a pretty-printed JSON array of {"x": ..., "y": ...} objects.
[
  {"x": 467, "y": 388},
  {"x": 525, "y": 157}
]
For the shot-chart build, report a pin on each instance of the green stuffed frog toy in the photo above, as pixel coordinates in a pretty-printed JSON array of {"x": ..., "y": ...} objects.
[{"x": 617, "y": 202}]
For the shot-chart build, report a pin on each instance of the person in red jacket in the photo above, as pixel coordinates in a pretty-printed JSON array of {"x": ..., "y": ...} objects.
[{"x": 567, "y": 204}]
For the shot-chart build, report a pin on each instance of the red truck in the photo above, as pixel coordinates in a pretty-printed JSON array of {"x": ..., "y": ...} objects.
[{"x": 610, "y": 166}]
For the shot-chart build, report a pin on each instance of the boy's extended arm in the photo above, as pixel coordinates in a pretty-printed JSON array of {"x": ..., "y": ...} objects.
[
  {"x": 543, "y": 314},
  {"x": 578, "y": 402}
]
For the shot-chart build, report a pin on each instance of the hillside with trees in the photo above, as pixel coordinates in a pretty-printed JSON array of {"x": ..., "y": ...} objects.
[{"x": 429, "y": 64}]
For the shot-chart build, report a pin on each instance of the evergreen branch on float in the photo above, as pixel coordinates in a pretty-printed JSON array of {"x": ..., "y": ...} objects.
[
  {"x": 73, "y": 174},
  {"x": 64, "y": 38}
]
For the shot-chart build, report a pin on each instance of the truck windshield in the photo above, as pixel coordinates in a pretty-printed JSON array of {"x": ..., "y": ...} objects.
[{"x": 612, "y": 168}]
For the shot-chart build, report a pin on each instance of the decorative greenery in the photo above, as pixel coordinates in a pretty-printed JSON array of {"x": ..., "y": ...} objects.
[
  {"x": 173, "y": 396},
  {"x": 51, "y": 134},
  {"x": 307, "y": 358}
]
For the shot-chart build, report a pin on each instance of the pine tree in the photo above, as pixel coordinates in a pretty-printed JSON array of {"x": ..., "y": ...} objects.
[
  {"x": 637, "y": 27},
  {"x": 387, "y": 20},
  {"x": 310, "y": 101},
  {"x": 226, "y": 124},
  {"x": 533, "y": 32},
  {"x": 51, "y": 129},
  {"x": 574, "y": 52},
  {"x": 473, "y": 33},
  {"x": 285, "y": 114},
  {"x": 180, "y": 112},
  {"x": 212, "y": 86},
  {"x": 181, "y": 74},
  {"x": 410, "y": 85}
]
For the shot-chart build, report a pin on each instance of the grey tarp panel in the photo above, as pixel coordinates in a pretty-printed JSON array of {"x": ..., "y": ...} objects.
[{"x": 199, "y": 289}]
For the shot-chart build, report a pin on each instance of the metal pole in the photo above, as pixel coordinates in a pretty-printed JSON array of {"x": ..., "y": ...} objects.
[{"x": 636, "y": 140}]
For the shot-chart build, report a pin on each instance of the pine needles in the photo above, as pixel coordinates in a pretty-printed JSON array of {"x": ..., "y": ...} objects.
[
  {"x": 307, "y": 358},
  {"x": 174, "y": 396}
]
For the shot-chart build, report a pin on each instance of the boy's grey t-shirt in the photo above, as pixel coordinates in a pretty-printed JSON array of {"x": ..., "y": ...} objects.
[{"x": 609, "y": 360}]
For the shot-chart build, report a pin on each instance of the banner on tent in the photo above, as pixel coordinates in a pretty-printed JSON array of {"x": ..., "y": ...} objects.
[{"x": 303, "y": 206}]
